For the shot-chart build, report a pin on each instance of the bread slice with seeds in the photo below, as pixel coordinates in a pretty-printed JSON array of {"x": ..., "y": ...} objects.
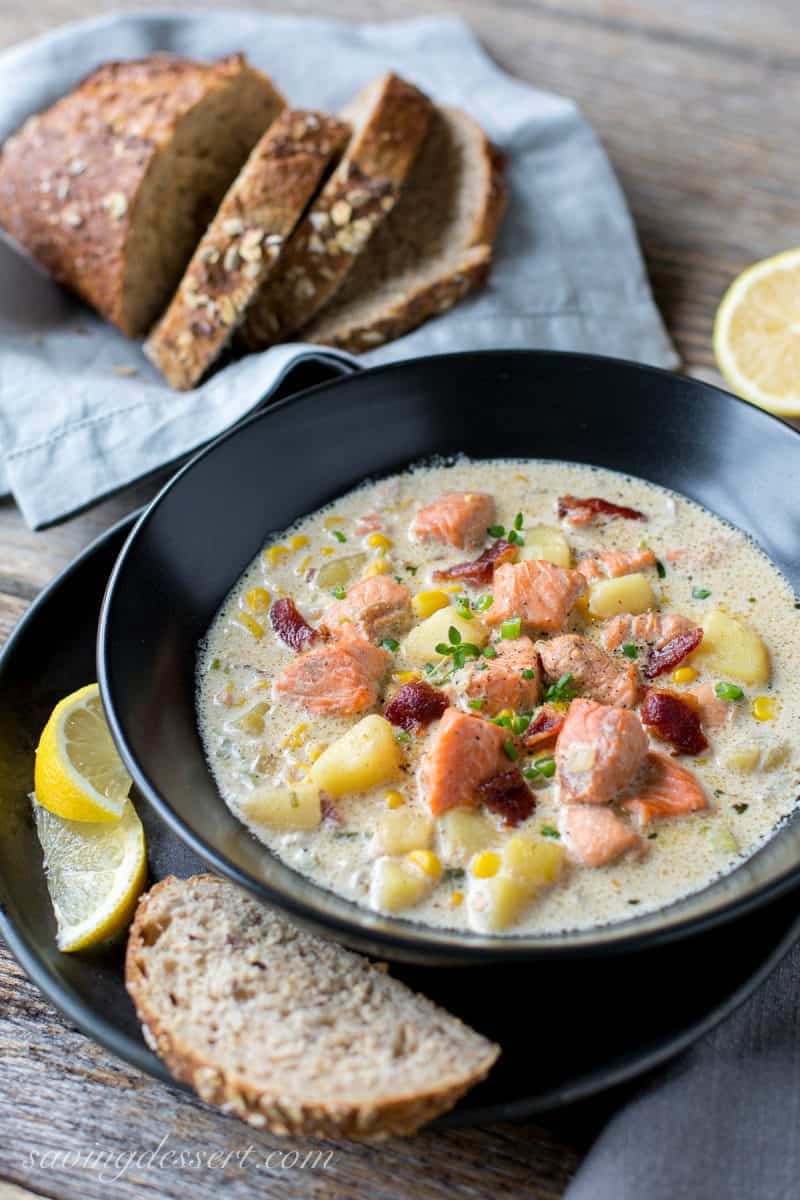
[
  {"x": 284, "y": 1029},
  {"x": 389, "y": 119},
  {"x": 111, "y": 188},
  {"x": 434, "y": 248},
  {"x": 242, "y": 246}
]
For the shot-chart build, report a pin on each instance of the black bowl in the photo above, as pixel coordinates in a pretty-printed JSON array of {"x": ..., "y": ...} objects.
[{"x": 207, "y": 524}]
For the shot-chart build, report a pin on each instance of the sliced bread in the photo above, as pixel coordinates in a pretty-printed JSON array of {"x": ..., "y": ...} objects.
[
  {"x": 243, "y": 243},
  {"x": 389, "y": 119},
  {"x": 434, "y": 248},
  {"x": 284, "y": 1029},
  {"x": 111, "y": 187}
]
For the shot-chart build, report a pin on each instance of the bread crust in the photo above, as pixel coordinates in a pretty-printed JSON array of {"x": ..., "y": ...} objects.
[
  {"x": 71, "y": 176},
  {"x": 243, "y": 244},
  {"x": 390, "y": 1115},
  {"x": 351, "y": 206}
]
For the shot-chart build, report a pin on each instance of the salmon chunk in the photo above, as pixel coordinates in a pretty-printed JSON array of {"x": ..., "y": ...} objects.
[
  {"x": 595, "y": 836},
  {"x": 373, "y": 609},
  {"x": 595, "y": 674},
  {"x": 654, "y": 628},
  {"x": 511, "y": 680},
  {"x": 539, "y": 593},
  {"x": 610, "y": 564},
  {"x": 457, "y": 519},
  {"x": 338, "y": 679},
  {"x": 598, "y": 752},
  {"x": 668, "y": 790},
  {"x": 713, "y": 712},
  {"x": 465, "y": 751}
]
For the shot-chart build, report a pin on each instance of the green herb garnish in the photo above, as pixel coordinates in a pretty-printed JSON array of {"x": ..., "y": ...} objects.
[
  {"x": 496, "y": 531},
  {"x": 511, "y": 751},
  {"x": 661, "y": 570},
  {"x": 337, "y": 533},
  {"x": 516, "y": 539},
  {"x": 453, "y": 874},
  {"x": 346, "y": 834},
  {"x": 630, "y": 650},
  {"x": 476, "y": 704},
  {"x": 390, "y": 644},
  {"x": 521, "y": 722},
  {"x": 483, "y": 602},
  {"x": 562, "y": 689},
  {"x": 546, "y": 766},
  {"x": 728, "y": 691},
  {"x": 402, "y": 735},
  {"x": 518, "y": 521},
  {"x": 528, "y": 673},
  {"x": 461, "y": 605},
  {"x": 511, "y": 629},
  {"x": 740, "y": 808},
  {"x": 338, "y": 592},
  {"x": 549, "y": 831},
  {"x": 215, "y": 664},
  {"x": 457, "y": 650},
  {"x": 700, "y": 593},
  {"x": 489, "y": 652}
]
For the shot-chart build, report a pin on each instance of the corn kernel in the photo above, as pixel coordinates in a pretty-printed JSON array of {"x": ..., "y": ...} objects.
[
  {"x": 250, "y": 624},
  {"x": 378, "y": 566},
  {"x": 451, "y": 588},
  {"x": 486, "y": 864},
  {"x": 296, "y": 737},
  {"x": 297, "y": 541},
  {"x": 274, "y": 554},
  {"x": 456, "y": 898},
  {"x": 684, "y": 675},
  {"x": 763, "y": 708},
  {"x": 327, "y": 551},
  {"x": 303, "y": 565},
  {"x": 407, "y": 676},
  {"x": 506, "y": 714},
  {"x": 316, "y": 751},
  {"x": 257, "y": 599},
  {"x": 332, "y": 522},
  {"x": 427, "y": 861},
  {"x": 379, "y": 541},
  {"x": 425, "y": 604},
  {"x": 394, "y": 799}
]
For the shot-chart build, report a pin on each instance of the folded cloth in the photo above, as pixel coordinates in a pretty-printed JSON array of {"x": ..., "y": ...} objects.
[
  {"x": 82, "y": 412},
  {"x": 721, "y": 1123}
]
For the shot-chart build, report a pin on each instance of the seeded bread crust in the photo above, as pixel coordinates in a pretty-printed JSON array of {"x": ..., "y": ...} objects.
[
  {"x": 286, "y": 1030},
  {"x": 86, "y": 185},
  {"x": 243, "y": 244},
  {"x": 390, "y": 118},
  {"x": 434, "y": 248}
]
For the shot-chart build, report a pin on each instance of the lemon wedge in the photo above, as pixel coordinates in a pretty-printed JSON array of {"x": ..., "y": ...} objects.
[
  {"x": 757, "y": 334},
  {"x": 95, "y": 872},
  {"x": 79, "y": 774}
]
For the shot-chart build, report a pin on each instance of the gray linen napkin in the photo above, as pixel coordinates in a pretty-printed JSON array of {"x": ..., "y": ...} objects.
[{"x": 74, "y": 424}]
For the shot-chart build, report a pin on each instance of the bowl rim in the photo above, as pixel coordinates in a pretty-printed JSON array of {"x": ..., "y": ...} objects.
[{"x": 402, "y": 938}]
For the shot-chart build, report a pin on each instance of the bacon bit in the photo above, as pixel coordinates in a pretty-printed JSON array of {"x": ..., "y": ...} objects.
[
  {"x": 329, "y": 811},
  {"x": 544, "y": 727},
  {"x": 674, "y": 721},
  {"x": 673, "y": 653},
  {"x": 482, "y": 569},
  {"x": 582, "y": 511},
  {"x": 509, "y": 796},
  {"x": 290, "y": 626},
  {"x": 415, "y": 706}
]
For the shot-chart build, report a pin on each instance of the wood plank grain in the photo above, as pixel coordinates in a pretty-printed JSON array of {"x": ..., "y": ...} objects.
[{"x": 695, "y": 113}]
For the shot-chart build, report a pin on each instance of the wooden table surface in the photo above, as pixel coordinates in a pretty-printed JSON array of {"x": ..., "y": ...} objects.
[{"x": 696, "y": 102}]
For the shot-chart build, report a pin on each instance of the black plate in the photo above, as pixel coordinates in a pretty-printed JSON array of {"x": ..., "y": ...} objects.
[
  {"x": 208, "y": 523},
  {"x": 621, "y": 1021}
]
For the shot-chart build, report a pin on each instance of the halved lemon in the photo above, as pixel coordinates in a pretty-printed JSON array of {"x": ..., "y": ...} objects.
[
  {"x": 757, "y": 334},
  {"x": 79, "y": 775},
  {"x": 95, "y": 872}
]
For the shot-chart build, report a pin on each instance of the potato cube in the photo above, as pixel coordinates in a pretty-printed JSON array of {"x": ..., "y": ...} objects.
[
  {"x": 419, "y": 646},
  {"x": 546, "y": 543},
  {"x": 534, "y": 862},
  {"x": 340, "y": 572},
  {"x": 775, "y": 756},
  {"x": 732, "y": 650},
  {"x": 464, "y": 832},
  {"x": 723, "y": 839},
  {"x": 402, "y": 829},
  {"x": 743, "y": 759},
  {"x": 398, "y": 885},
  {"x": 360, "y": 759},
  {"x": 506, "y": 900},
  {"x": 284, "y": 808},
  {"x": 627, "y": 594}
]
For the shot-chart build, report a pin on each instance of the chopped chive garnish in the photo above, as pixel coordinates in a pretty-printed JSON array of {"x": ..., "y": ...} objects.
[
  {"x": 728, "y": 691},
  {"x": 630, "y": 650},
  {"x": 634, "y": 902},
  {"x": 562, "y": 689},
  {"x": 510, "y": 751},
  {"x": 511, "y": 629},
  {"x": 483, "y": 602},
  {"x": 518, "y": 521},
  {"x": 390, "y": 644},
  {"x": 215, "y": 664},
  {"x": 461, "y": 605},
  {"x": 496, "y": 531},
  {"x": 740, "y": 808},
  {"x": 700, "y": 593},
  {"x": 476, "y": 704},
  {"x": 337, "y": 533},
  {"x": 651, "y": 837},
  {"x": 546, "y": 766},
  {"x": 402, "y": 735},
  {"x": 346, "y": 833},
  {"x": 338, "y": 592},
  {"x": 489, "y": 652},
  {"x": 660, "y": 569},
  {"x": 453, "y": 874},
  {"x": 503, "y": 722},
  {"x": 520, "y": 723},
  {"x": 549, "y": 831},
  {"x": 528, "y": 673}
]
